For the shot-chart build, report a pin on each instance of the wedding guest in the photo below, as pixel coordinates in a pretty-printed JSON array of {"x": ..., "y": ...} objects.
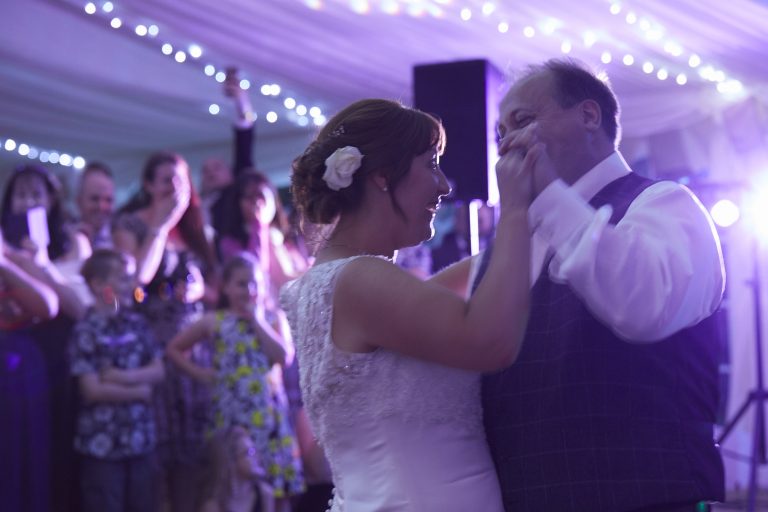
[
  {"x": 44, "y": 243},
  {"x": 162, "y": 228},
  {"x": 95, "y": 201},
  {"x": 25, "y": 430},
  {"x": 257, "y": 223},
  {"x": 246, "y": 375},
  {"x": 235, "y": 481},
  {"x": 116, "y": 362}
]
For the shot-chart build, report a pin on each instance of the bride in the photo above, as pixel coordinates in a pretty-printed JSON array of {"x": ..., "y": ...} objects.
[{"x": 389, "y": 363}]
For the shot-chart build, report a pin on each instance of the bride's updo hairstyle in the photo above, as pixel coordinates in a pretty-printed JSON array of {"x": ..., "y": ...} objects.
[{"x": 386, "y": 133}]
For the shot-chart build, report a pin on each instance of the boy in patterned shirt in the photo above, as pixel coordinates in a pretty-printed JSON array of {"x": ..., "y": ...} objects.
[{"x": 116, "y": 361}]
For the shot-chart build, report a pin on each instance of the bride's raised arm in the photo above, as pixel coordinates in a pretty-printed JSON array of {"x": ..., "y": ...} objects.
[{"x": 376, "y": 304}]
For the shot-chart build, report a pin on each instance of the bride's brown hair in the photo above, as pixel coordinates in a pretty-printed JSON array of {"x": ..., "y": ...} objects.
[{"x": 388, "y": 134}]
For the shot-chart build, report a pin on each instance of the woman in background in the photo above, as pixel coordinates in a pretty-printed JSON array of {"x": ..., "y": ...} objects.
[
  {"x": 57, "y": 265},
  {"x": 162, "y": 228},
  {"x": 257, "y": 223},
  {"x": 25, "y": 443}
]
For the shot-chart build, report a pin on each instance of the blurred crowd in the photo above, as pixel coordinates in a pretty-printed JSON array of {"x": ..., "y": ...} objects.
[{"x": 145, "y": 361}]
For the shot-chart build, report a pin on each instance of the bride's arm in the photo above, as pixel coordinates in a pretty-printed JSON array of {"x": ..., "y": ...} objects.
[
  {"x": 377, "y": 304},
  {"x": 455, "y": 277}
]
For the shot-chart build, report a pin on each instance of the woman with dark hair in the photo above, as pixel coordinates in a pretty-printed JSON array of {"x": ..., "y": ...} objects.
[
  {"x": 33, "y": 186},
  {"x": 169, "y": 210},
  {"x": 30, "y": 187},
  {"x": 162, "y": 227},
  {"x": 25, "y": 435},
  {"x": 257, "y": 223},
  {"x": 32, "y": 190},
  {"x": 390, "y": 364}
]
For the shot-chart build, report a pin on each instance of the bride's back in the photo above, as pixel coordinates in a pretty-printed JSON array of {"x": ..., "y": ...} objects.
[{"x": 399, "y": 433}]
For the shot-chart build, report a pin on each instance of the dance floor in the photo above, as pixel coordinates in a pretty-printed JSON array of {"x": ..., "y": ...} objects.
[{"x": 737, "y": 500}]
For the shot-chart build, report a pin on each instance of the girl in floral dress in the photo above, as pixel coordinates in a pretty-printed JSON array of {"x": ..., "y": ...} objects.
[{"x": 246, "y": 374}]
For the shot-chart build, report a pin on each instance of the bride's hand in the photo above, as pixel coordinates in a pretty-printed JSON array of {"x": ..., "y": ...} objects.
[
  {"x": 514, "y": 172},
  {"x": 524, "y": 168}
]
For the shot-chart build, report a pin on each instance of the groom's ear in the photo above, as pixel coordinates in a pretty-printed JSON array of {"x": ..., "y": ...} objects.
[{"x": 591, "y": 115}]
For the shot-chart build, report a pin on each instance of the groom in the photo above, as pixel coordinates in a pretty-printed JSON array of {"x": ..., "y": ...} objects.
[{"x": 611, "y": 403}]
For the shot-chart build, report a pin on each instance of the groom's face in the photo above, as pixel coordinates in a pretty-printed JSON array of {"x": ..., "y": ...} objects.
[{"x": 530, "y": 101}]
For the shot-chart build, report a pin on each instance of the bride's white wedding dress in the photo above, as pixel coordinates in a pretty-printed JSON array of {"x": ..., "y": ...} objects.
[{"x": 400, "y": 434}]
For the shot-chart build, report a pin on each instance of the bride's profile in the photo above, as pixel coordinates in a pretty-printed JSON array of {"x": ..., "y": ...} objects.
[{"x": 389, "y": 363}]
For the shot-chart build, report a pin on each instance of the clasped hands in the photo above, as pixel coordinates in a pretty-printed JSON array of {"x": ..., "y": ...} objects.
[{"x": 523, "y": 159}]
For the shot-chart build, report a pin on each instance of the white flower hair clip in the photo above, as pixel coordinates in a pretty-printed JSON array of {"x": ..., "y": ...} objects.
[{"x": 341, "y": 166}]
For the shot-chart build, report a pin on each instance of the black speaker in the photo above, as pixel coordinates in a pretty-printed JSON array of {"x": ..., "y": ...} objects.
[{"x": 465, "y": 96}]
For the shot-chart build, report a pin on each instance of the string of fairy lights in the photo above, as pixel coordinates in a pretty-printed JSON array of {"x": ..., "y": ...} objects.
[
  {"x": 46, "y": 156},
  {"x": 678, "y": 63},
  {"x": 294, "y": 110}
]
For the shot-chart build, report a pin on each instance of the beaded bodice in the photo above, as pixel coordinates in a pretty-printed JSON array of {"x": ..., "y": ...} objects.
[{"x": 358, "y": 400}]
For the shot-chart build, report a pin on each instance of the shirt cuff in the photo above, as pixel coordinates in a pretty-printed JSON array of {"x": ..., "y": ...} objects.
[{"x": 559, "y": 213}]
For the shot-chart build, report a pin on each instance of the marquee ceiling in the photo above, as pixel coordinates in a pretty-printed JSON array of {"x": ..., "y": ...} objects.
[{"x": 71, "y": 82}]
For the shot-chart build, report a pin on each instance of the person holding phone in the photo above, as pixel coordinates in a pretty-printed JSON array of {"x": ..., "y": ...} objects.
[
  {"x": 45, "y": 245},
  {"x": 40, "y": 237},
  {"x": 25, "y": 432}
]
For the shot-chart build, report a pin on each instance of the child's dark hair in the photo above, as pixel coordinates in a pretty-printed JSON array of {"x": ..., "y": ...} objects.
[{"x": 102, "y": 263}]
